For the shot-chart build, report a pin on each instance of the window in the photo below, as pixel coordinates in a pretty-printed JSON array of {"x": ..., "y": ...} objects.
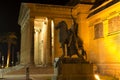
[
  {"x": 98, "y": 30},
  {"x": 114, "y": 24}
]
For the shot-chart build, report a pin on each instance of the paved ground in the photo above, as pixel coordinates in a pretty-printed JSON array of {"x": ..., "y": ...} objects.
[
  {"x": 35, "y": 73},
  {"x": 31, "y": 78},
  {"x": 33, "y": 70},
  {"x": 39, "y": 77}
]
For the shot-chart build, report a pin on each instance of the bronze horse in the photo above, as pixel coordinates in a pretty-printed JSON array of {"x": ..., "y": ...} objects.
[{"x": 63, "y": 35}]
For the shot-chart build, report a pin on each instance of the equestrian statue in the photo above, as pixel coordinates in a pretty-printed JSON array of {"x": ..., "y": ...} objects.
[{"x": 70, "y": 42}]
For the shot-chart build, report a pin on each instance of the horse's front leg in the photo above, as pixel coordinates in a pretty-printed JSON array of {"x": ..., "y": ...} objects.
[
  {"x": 63, "y": 48},
  {"x": 63, "y": 54}
]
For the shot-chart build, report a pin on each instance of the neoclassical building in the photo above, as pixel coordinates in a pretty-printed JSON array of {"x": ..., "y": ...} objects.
[
  {"x": 39, "y": 39},
  {"x": 99, "y": 28}
]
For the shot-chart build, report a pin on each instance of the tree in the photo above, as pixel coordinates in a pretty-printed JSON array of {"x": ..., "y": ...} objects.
[{"x": 9, "y": 38}]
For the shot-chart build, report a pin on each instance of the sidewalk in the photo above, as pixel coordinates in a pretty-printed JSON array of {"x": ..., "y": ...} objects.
[
  {"x": 32, "y": 70},
  {"x": 35, "y": 73}
]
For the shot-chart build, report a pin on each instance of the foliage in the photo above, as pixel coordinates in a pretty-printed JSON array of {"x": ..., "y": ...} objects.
[{"x": 10, "y": 39}]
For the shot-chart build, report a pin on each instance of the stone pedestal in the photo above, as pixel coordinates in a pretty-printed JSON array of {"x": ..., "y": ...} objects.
[{"x": 75, "y": 69}]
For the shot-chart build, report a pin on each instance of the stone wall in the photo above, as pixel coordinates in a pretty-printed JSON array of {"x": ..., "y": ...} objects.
[
  {"x": 104, "y": 40},
  {"x": 100, "y": 33}
]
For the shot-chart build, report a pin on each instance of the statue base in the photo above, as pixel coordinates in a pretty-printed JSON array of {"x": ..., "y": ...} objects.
[{"x": 75, "y": 69}]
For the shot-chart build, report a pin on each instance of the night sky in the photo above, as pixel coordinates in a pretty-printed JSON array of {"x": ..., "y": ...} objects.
[{"x": 9, "y": 12}]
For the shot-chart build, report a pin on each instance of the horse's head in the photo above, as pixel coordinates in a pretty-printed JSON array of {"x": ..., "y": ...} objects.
[{"x": 61, "y": 24}]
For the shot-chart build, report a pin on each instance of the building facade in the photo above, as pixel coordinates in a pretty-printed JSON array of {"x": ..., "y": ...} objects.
[
  {"x": 98, "y": 28},
  {"x": 39, "y": 39}
]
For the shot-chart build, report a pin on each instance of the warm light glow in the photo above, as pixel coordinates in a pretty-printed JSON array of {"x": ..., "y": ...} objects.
[
  {"x": 36, "y": 46},
  {"x": 40, "y": 29},
  {"x": 52, "y": 28},
  {"x": 37, "y": 29},
  {"x": 52, "y": 39},
  {"x": 97, "y": 77},
  {"x": 43, "y": 38}
]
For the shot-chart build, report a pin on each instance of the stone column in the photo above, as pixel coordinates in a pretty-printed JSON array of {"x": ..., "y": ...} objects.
[
  {"x": 50, "y": 39},
  {"x": 25, "y": 44},
  {"x": 27, "y": 55},
  {"x": 53, "y": 40},
  {"x": 32, "y": 41}
]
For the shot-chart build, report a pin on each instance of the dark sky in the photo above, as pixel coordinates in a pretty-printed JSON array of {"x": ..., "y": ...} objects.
[{"x": 9, "y": 12}]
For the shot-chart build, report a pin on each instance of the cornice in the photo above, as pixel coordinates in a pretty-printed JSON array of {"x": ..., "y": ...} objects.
[
  {"x": 102, "y": 7},
  {"x": 49, "y": 10},
  {"x": 107, "y": 12},
  {"x": 81, "y": 9},
  {"x": 53, "y": 6}
]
